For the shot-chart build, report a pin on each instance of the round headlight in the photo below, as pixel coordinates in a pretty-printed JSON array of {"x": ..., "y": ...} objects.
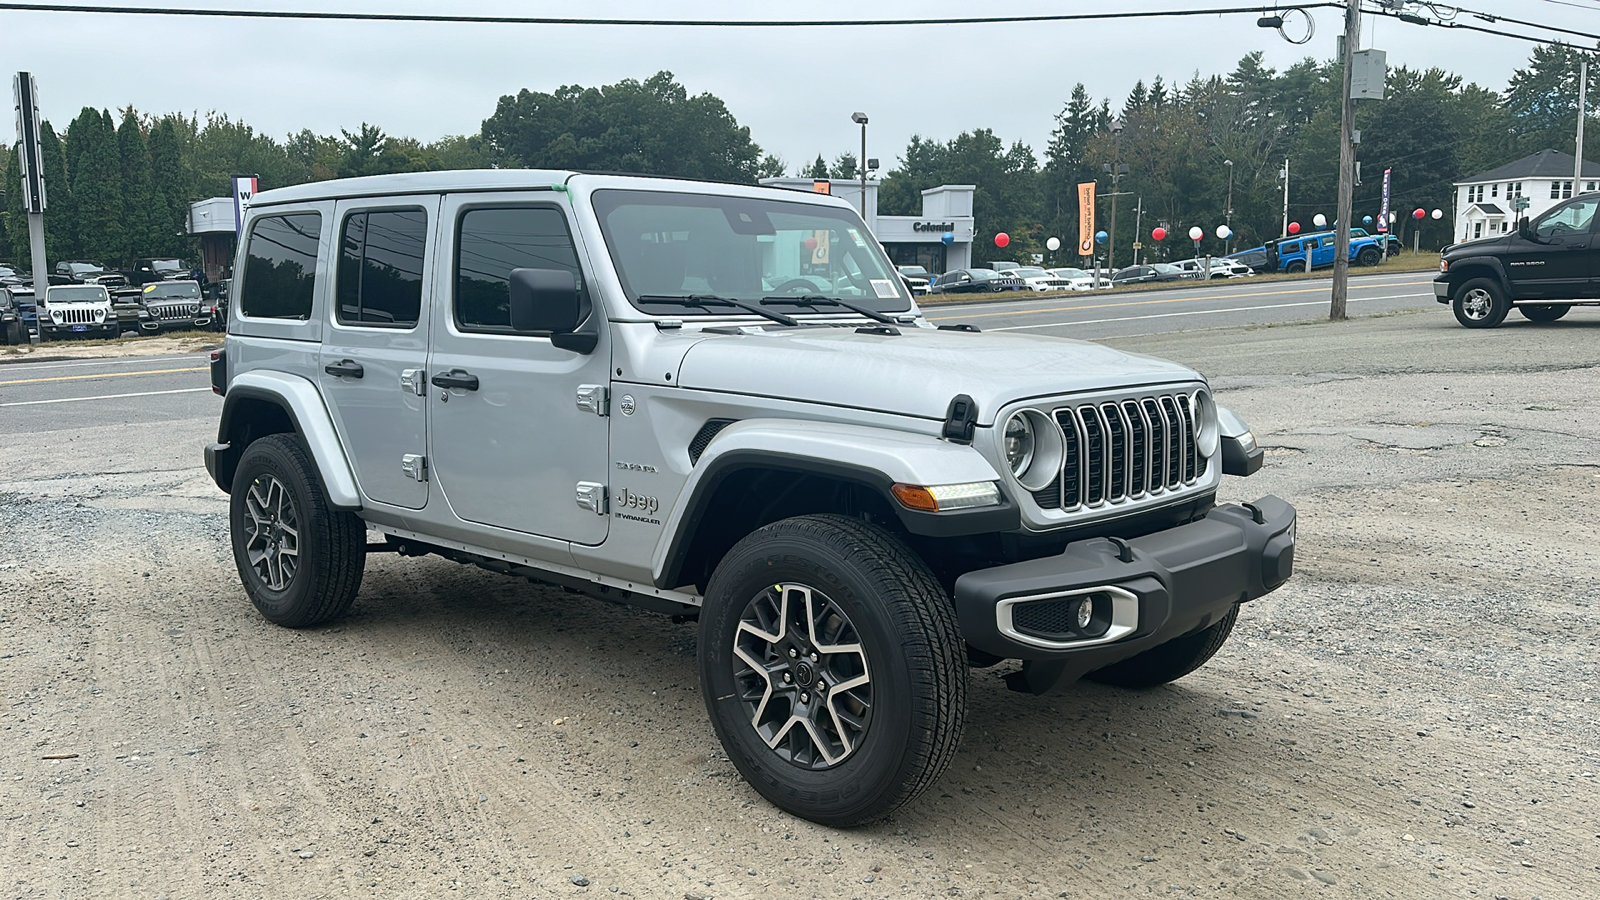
[
  {"x": 1207, "y": 435},
  {"x": 1019, "y": 443}
]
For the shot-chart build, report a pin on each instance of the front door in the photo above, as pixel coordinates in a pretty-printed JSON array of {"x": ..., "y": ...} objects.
[
  {"x": 1558, "y": 261},
  {"x": 511, "y": 445},
  {"x": 375, "y": 349}
]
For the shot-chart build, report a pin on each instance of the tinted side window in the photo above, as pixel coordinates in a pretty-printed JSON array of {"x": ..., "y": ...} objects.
[
  {"x": 380, "y": 267},
  {"x": 490, "y": 243},
  {"x": 280, "y": 269}
]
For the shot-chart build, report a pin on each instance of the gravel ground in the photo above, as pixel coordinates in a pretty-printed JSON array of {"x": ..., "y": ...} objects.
[{"x": 1414, "y": 715}]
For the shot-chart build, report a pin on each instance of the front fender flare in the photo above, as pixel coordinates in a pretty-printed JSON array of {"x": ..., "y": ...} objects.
[
  {"x": 874, "y": 457},
  {"x": 1474, "y": 267},
  {"x": 303, "y": 402}
]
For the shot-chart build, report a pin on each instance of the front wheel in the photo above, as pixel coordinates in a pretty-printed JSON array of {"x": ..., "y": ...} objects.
[
  {"x": 300, "y": 561},
  {"x": 1300, "y": 267},
  {"x": 1369, "y": 256},
  {"x": 1544, "y": 312},
  {"x": 1480, "y": 303},
  {"x": 1170, "y": 661},
  {"x": 832, "y": 668}
]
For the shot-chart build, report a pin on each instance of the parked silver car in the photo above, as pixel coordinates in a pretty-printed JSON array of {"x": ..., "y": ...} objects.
[{"x": 638, "y": 389}]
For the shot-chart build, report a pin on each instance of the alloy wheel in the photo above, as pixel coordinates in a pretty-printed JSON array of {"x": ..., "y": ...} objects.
[
  {"x": 273, "y": 539},
  {"x": 1477, "y": 304},
  {"x": 802, "y": 676}
]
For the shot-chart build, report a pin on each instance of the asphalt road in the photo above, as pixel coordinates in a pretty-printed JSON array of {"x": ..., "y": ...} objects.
[
  {"x": 1232, "y": 303},
  {"x": 66, "y": 394}
]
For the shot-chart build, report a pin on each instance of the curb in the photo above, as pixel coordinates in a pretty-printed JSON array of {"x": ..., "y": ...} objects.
[{"x": 927, "y": 300}]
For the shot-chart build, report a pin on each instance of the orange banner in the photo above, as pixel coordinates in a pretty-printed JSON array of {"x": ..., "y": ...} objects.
[{"x": 1086, "y": 219}]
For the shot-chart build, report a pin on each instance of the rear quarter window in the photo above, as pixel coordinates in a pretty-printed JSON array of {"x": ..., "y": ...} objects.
[{"x": 280, "y": 266}]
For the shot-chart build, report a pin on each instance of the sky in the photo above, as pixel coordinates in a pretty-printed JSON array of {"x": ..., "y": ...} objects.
[{"x": 795, "y": 88}]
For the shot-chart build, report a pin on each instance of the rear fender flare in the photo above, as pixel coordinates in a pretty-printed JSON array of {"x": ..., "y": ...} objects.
[{"x": 301, "y": 400}]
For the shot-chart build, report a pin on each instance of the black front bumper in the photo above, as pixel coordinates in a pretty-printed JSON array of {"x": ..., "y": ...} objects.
[{"x": 1163, "y": 586}]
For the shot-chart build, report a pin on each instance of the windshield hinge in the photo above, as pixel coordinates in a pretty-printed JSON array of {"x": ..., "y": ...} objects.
[{"x": 960, "y": 420}]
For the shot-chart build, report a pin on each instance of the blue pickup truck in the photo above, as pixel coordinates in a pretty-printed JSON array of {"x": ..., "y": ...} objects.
[{"x": 1315, "y": 251}]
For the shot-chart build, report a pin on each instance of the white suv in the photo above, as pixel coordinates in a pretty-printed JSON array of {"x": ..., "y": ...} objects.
[{"x": 77, "y": 309}]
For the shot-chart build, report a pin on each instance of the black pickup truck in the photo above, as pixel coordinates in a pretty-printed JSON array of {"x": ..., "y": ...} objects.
[{"x": 1542, "y": 269}]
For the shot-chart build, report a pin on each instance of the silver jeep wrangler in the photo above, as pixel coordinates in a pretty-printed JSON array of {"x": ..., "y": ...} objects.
[{"x": 720, "y": 402}]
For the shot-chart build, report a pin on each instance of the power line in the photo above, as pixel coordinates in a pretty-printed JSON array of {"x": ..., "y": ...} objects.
[{"x": 671, "y": 23}]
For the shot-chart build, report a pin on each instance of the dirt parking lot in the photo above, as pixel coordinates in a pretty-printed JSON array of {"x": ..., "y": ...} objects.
[{"x": 1413, "y": 716}]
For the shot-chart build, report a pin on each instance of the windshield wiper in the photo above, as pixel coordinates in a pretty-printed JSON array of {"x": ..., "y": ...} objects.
[
  {"x": 811, "y": 300},
  {"x": 704, "y": 301}
]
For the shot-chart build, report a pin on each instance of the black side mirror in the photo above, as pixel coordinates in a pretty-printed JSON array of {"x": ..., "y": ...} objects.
[
  {"x": 1525, "y": 229},
  {"x": 548, "y": 301}
]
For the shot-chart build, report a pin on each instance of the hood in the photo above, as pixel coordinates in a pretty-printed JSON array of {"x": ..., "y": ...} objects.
[
  {"x": 1479, "y": 245},
  {"x": 917, "y": 372}
]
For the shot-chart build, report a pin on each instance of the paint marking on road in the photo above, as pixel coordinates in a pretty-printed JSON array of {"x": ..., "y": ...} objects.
[
  {"x": 106, "y": 397},
  {"x": 102, "y": 375},
  {"x": 1025, "y": 311},
  {"x": 1197, "y": 312},
  {"x": 121, "y": 361}
]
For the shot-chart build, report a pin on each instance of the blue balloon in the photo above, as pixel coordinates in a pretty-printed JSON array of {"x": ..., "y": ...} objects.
[
  {"x": 948, "y": 238},
  {"x": 1366, "y": 220},
  {"x": 1100, "y": 237}
]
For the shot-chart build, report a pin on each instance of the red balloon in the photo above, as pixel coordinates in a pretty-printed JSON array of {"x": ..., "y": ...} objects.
[
  {"x": 1418, "y": 214},
  {"x": 1294, "y": 227},
  {"x": 1002, "y": 239},
  {"x": 811, "y": 243},
  {"x": 1159, "y": 234}
]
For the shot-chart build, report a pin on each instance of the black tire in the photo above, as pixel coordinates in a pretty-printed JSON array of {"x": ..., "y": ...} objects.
[
  {"x": 1369, "y": 256},
  {"x": 1480, "y": 303},
  {"x": 1170, "y": 661},
  {"x": 329, "y": 547},
  {"x": 1300, "y": 266},
  {"x": 892, "y": 625},
  {"x": 1544, "y": 312}
]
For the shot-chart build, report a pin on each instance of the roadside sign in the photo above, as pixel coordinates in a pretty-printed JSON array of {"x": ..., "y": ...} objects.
[
  {"x": 1086, "y": 219},
  {"x": 244, "y": 190},
  {"x": 25, "y": 92},
  {"x": 1383, "y": 212}
]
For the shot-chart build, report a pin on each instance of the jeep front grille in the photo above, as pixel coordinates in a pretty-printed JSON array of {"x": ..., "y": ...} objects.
[
  {"x": 79, "y": 315},
  {"x": 1121, "y": 450},
  {"x": 176, "y": 311}
]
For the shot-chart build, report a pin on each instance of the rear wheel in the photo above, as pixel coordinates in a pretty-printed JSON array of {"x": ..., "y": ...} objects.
[
  {"x": 832, "y": 668},
  {"x": 300, "y": 561},
  {"x": 1480, "y": 303},
  {"x": 1544, "y": 312},
  {"x": 1170, "y": 661}
]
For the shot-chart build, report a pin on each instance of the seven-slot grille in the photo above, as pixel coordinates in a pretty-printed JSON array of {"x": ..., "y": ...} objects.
[
  {"x": 176, "y": 311},
  {"x": 1119, "y": 450},
  {"x": 74, "y": 315}
]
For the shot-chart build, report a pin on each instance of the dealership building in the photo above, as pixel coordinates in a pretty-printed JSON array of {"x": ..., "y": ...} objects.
[{"x": 909, "y": 240}]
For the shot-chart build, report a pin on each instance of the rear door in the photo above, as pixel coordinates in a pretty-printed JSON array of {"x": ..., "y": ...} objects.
[{"x": 375, "y": 349}]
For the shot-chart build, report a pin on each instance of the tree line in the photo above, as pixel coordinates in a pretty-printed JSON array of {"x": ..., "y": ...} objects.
[{"x": 120, "y": 187}]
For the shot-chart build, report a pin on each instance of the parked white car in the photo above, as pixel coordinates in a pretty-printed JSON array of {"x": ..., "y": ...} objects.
[
  {"x": 1079, "y": 280},
  {"x": 1221, "y": 267},
  {"x": 1038, "y": 279}
]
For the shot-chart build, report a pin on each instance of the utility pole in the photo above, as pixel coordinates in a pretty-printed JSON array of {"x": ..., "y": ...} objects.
[
  {"x": 1583, "y": 89},
  {"x": 1138, "y": 229},
  {"x": 1116, "y": 174},
  {"x": 1227, "y": 214},
  {"x": 1285, "y": 231},
  {"x": 1347, "y": 159}
]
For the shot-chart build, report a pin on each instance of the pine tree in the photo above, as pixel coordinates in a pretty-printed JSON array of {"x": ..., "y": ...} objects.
[
  {"x": 138, "y": 197},
  {"x": 170, "y": 195},
  {"x": 60, "y": 211},
  {"x": 96, "y": 176},
  {"x": 818, "y": 169}
]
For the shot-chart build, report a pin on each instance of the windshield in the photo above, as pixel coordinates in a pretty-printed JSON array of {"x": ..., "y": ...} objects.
[
  {"x": 1028, "y": 272},
  {"x": 1069, "y": 273},
  {"x": 914, "y": 271},
  {"x": 679, "y": 245},
  {"x": 167, "y": 265},
  {"x": 75, "y": 294},
  {"x": 186, "y": 289},
  {"x": 83, "y": 268}
]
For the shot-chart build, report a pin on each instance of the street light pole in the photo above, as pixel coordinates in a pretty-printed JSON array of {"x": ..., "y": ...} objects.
[
  {"x": 1116, "y": 174},
  {"x": 861, "y": 119},
  {"x": 1227, "y": 216}
]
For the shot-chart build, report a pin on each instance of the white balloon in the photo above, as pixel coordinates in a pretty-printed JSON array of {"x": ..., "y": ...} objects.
[
  {"x": 1224, "y": 232},
  {"x": 1319, "y": 220},
  {"x": 1196, "y": 233},
  {"x": 1438, "y": 214},
  {"x": 1053, "y": 244}
]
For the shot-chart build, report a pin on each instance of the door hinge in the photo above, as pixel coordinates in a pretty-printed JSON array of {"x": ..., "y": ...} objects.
[
  {"x": 594, "y": 398},
  {"x": 413, "y": 380},
  {"x": 592, "y": 496},
  {"x": 415, "y": 466}
]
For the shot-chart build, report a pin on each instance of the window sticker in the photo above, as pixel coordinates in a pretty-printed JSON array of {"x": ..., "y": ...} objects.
[{"x": 884, "y": 288}]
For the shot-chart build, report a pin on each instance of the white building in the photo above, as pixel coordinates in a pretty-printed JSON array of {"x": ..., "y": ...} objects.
[
  {"x": 910, "y": 240},
  {"x": 1486, "y": 204}
]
